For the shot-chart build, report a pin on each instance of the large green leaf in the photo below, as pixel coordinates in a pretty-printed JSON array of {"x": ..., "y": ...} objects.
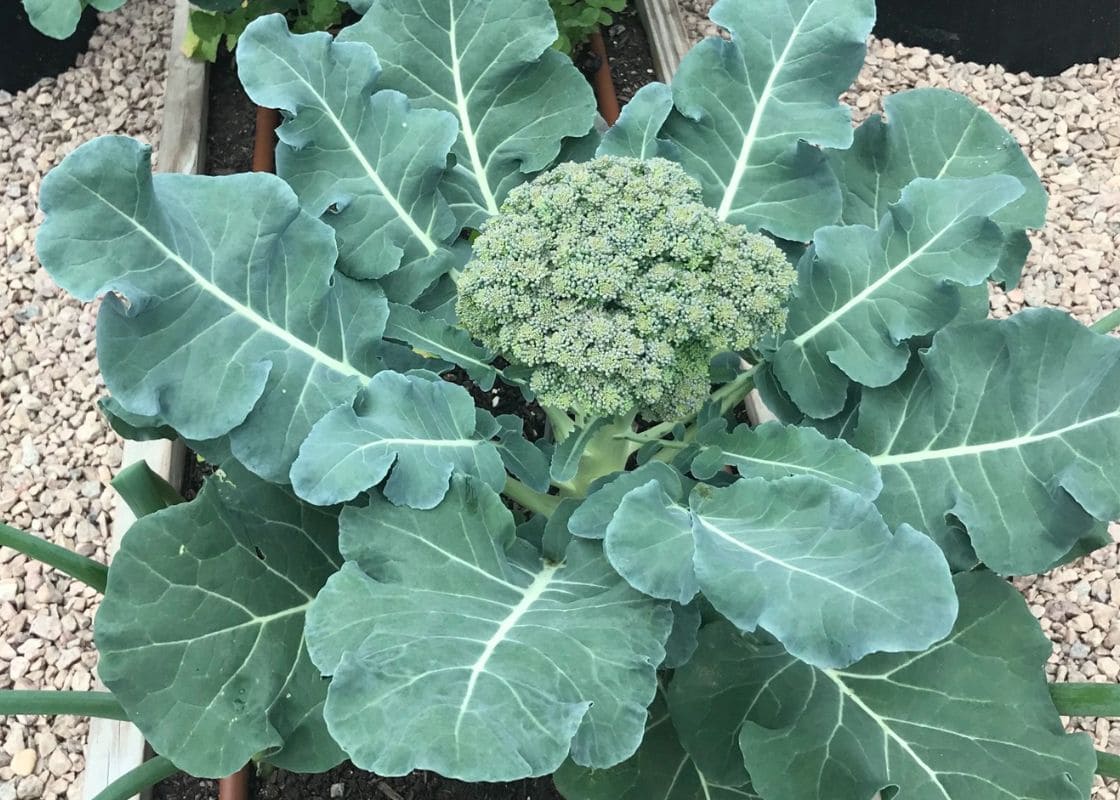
[
  {"x": 594, "y": 514},
  {"x": 430, "y": 336},
  {"x": 934, "y": 133},
  {"x": 748, "y": 110},
  {"x": 366, "y": 161},
  {"x": 971, "y": 717},
  {"x": 421, "y": 428},
  {"x": 661, "y": 769},
  {"x": 1008, "y": 428},
  {"x": 59, "y": 18},
  {"x": 223, "y": 312},
  {"x": 201, "y": 629},
  {"x": 772, "y": 450},
  {"x": 862, "y": 292},
  {"x": 490, "y": 64},
  {"x": 813, "y": 564},
  {"x": 637, "y": 132},
  {"x": 455, "y": 648}
]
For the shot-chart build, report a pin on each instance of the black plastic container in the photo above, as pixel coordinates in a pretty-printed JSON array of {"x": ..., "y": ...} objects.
[
  {"x": 1043, "y": 37},
  {"x": 27, "y": 55}
]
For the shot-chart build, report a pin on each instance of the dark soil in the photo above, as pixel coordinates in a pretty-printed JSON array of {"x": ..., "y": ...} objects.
[
  {"x": 27, "y": 55},
  {"x": 628, "y": 53},
  {"x": 350, "y": 783},
  {"x": 232, "y": 121}
]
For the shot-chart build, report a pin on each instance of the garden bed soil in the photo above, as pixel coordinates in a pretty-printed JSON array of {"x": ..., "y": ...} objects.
[
  {"x": 229, "y": 150},
  {"x": 27, "y": 55}
]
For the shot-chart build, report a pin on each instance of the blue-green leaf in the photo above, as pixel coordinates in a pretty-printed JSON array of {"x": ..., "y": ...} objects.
[
  {"x": 490, "y": 64},
  {"x": 454, "y": 647},
  {"x": 365, "y": 161},
  {"x": 636, "y": 133},
  {"x": 934, "y": 133},
  {"x": 862, "y": 292},
  {"x": 201, "y": 630},
  {"x": 422, "y": 429},
  {"x": 773, "y": 450},
  {"x": 215, "y": 329},
  {"x": 813, "y": 564},
  {"x": 969, "y": 717},
  {"x": 749, "y": 110},
  {"x": 1008, "y": 428}
]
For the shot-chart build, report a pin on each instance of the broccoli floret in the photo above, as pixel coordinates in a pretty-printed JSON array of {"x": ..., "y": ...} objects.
[{"x": 615, "y": 285}]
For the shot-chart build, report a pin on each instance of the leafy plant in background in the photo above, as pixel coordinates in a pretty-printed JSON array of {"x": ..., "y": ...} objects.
[
  {"x": 213, "y": 22},
  {"x": 578, "y": 19},
  {"x": 59, "y": 18},
  {"x": 648, "y": 598}
]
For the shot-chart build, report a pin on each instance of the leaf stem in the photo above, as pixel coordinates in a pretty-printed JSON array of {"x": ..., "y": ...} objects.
[
  {"x": 531, "y": 499},
  {"x": 143, "y": 490},
  {"x": 1108, "y": 765},
  {"x": 1086, "y": 699},
  {"x": 135, "y": 781},
  {"x": 562, "y": 424},
  {"x": 1108, "y": 323},
  {"x": 91, "y": 572},
  {"x": 641, "y": 438},
  {"x": 81, "y": 704}
]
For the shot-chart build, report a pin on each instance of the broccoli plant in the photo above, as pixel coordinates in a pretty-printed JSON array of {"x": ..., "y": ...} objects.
[{"x": 647, "y": 596}]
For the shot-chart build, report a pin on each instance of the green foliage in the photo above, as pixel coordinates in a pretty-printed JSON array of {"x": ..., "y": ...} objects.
[
  {"x": 576, "y": 20},
  {"x": 214, "y": 22},
  {"x": 615, "y": 285},
  {"x": 59, "y": 18},
  {"x": 386, "y": 571}
]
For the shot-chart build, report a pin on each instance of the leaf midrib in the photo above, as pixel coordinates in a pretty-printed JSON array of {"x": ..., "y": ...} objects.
[{"x": 237, "y": 307}]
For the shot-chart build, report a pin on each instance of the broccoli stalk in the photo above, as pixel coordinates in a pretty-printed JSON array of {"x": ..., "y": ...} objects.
[{"x": 614, "y": 285}]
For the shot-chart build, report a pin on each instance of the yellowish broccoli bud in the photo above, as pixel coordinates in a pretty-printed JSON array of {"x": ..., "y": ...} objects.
[{"x": 615, "y": 285}]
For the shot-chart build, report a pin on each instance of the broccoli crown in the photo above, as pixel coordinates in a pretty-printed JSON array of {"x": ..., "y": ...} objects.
[{"x": 615, "y": 285}]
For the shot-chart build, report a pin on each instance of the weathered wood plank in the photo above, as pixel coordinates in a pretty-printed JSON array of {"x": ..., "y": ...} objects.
[
  {"x": 668, "y": 38},
  {"x": 114, "y": 748}
]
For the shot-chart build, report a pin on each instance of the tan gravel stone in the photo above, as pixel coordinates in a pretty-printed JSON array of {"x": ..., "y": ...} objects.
[{"x": 23, "y": 762}]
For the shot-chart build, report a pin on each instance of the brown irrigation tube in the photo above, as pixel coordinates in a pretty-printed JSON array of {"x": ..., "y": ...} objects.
[
  {"x": 235, "y": 787},
  {"x": 604, "y": 86},
  {"x": 264, "y": 145}
]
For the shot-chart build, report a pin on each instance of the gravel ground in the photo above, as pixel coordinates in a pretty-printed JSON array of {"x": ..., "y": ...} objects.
[
  {"x": 58, "y": 456},
  {"x": 1069, "y": 126}
]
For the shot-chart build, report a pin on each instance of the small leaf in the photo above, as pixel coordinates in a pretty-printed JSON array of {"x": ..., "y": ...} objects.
[
  {"x": 660, "y": 769},
  {"x": 201, "y": 629},
  {"x": 524, "y": 459},
  {"x": 421, "y": 429},
  {"x": 773, "y": 450},
  {"x": 455, "y": 648},
  {"x": 595, "y": 513},
  {"x": 683, "y": 638},
  {"x": 635, "y": 134},
  {"x": 813, "y": 564},
  {"x": 426, "y": 333},
  {"x": 863, "y": 292},
  {"x": 567, "y": 455}
]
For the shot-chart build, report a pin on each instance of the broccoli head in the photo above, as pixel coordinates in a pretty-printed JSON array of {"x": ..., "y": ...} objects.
[{"x": 614, "y": 284}]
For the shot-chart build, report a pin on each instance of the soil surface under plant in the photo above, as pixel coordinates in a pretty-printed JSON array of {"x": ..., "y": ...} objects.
[{"x": 229, "y": 149}]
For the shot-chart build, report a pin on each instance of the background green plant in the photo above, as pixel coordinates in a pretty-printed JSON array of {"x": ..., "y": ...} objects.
[
  {"x": 578, "y": 19},
  {"x": 214, "y": 21}
]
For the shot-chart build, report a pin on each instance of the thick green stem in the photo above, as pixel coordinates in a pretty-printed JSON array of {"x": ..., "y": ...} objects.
[
  {"x": 80, "y": 704},
  {"x": 91, "y": 572},
  {"x": 136, "y": 781},
  {"x": 606, "y": 452},
  {"x": 1086, "y": 699},
  {"x": 530, "y": 499},
  {"x": 1108, "y": 323},
  {"x": 1108, "y": 765},
  {"x": 144, "y": 491}
]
